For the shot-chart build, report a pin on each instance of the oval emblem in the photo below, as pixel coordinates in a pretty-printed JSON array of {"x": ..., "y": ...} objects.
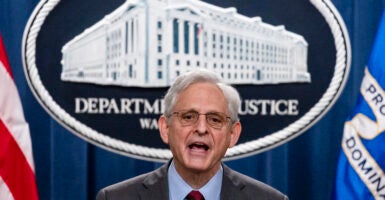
[{"x": 101, "y": 68}]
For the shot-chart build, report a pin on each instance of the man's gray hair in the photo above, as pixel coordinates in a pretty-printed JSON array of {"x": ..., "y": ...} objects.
[{"x": 200, "y": 76}]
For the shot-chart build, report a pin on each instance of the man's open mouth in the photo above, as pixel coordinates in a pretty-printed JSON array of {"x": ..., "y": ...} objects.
[{"x": 198, "y": 145}]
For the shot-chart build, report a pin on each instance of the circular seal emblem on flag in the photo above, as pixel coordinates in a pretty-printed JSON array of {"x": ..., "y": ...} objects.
[{"x": 101, "y": 68}]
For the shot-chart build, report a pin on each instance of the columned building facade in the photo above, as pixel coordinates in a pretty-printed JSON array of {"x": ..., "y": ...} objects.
[{"x": 148, "y": 43}]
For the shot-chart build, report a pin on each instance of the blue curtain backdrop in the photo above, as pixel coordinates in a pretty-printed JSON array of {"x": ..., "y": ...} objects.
[{"x": 69, "y": 168}]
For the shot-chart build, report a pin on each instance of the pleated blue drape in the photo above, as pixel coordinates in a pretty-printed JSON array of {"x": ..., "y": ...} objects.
[{"x": 69, "y": 168}]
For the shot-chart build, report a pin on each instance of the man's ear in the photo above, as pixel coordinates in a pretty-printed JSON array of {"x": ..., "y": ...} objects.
[
  {"x": 163, "y": 128},
  {"x": 235, "y": 132}
]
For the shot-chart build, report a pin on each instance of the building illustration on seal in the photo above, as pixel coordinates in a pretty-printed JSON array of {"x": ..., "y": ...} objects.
[{"x": 148, "y": 43}]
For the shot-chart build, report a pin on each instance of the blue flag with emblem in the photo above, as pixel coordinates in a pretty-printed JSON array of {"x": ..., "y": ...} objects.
[{"x": 361, "y": 166}]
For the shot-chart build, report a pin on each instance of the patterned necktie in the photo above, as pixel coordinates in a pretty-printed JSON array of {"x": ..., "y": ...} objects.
[{"x": 195, "y": 195}]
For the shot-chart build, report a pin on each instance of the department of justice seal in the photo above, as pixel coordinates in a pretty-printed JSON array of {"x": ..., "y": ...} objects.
[{"x": 101, "y": 68}]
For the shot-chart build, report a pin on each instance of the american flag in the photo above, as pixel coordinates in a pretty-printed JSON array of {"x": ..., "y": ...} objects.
[{"x": 17, "y": 177}]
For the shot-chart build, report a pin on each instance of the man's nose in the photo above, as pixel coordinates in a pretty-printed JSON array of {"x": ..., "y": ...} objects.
[{"x": 201, "y": 124}]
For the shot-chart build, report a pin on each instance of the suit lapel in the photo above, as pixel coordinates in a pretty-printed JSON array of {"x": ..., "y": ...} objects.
[
  {"x": 155, "y": 185},
  {"x": 231, "y": 185}
]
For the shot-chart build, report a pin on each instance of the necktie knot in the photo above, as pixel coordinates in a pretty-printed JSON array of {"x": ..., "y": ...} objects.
[{"x": 195, "y": 195}]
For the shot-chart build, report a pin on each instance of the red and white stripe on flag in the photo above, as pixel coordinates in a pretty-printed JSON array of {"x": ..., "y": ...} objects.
[{"x": 17, "y": 177}]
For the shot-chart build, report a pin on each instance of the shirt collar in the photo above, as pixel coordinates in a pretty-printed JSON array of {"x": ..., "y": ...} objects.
[{"x": 179, "y": 188}]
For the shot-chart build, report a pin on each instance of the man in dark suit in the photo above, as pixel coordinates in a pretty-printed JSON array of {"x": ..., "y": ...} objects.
[{"x": 199, "y": 124}]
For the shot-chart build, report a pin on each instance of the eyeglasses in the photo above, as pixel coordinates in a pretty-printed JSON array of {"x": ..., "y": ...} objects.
[{"x": 189, "y": 117}]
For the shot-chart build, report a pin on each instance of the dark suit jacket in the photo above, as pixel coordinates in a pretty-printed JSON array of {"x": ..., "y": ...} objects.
[{"x": 154, "y": 186}]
